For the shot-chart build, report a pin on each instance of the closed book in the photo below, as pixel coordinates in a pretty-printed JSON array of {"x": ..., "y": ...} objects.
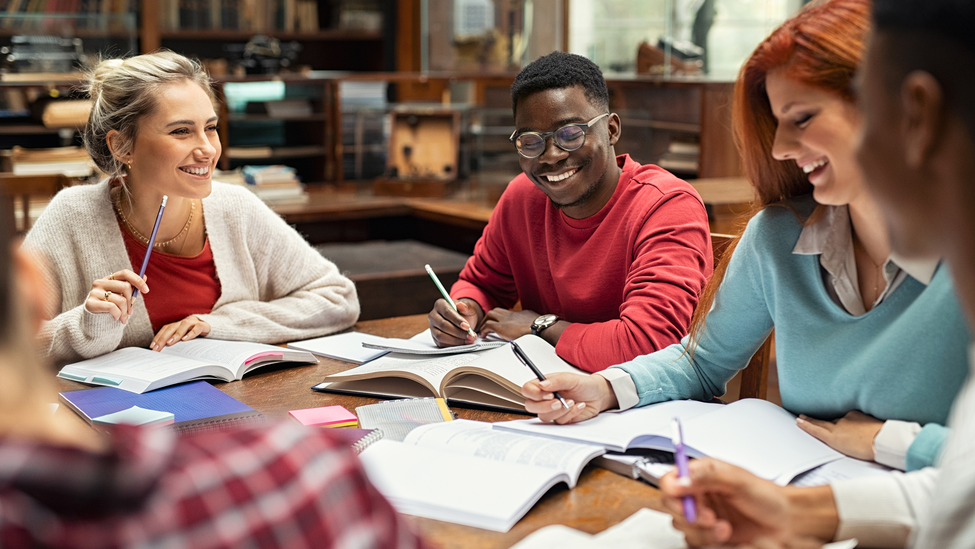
[{"x": 196, "y": 406}]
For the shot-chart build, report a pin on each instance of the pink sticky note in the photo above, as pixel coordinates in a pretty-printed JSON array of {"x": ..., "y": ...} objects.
[{"x": 326, "y": 416}]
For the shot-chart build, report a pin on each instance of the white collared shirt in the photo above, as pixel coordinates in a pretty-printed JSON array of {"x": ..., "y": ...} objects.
[{"x": 831, "y": 237}]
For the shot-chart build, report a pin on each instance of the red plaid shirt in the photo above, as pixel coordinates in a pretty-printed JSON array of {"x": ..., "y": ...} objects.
[{"x": 283, "y": 486}]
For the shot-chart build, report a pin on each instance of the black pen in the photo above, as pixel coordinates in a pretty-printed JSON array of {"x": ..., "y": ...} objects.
[{"x": 538, "y": 373}]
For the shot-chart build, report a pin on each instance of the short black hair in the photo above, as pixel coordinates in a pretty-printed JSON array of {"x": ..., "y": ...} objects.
[
  {"x": 948, "y": 18},
  {"x": 934, "y": 36},
  {"x": 559, "y": 70}
]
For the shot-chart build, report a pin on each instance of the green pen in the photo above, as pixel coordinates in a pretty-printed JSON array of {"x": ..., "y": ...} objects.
[{"x": 446, "y": 296}]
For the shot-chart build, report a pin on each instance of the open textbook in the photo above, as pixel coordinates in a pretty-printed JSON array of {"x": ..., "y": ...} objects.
[
  {"x": 138, "y": 370},
  {"x": 485, "y": 378},
  {"x": 755, "y": 435},
  {"x": 467, "y": 473}
]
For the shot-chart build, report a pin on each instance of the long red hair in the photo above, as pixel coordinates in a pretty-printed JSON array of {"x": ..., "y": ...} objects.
[{"x": 820, "y": 47}]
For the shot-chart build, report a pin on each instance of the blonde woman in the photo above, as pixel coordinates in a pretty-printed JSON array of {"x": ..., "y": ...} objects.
[
  {"x": 70, "y": 487},
  {"x": 223, "y": 265}
]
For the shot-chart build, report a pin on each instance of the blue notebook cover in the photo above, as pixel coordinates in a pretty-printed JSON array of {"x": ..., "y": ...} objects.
[{"x": 196, "y": 406}]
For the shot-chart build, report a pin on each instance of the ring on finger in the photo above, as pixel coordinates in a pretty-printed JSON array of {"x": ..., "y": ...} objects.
[
  {"x": 107, "y": 295},
  {"x": 111, "y": 276}
]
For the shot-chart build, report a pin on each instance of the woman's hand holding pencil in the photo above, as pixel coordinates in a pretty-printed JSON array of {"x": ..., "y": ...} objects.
[{"x": 113, "y": 294}]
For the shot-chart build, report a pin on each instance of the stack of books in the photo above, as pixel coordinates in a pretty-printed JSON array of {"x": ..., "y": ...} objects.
[
  {"x": 274, "y": 184},
  {"x": 681, "y": 157}
]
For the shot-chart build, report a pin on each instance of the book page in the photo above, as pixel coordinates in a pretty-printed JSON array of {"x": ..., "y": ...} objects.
[
  {"x": 617, "y": 430},
  {"x": 431, "y": 370},
  {"x": 423, "y": 344},
  {"x": 842, "y": 469},
  {"x": 759, "y": 436},
  {"x": 230, "y": 354},
  {"x": 468, "y": 490},
  {"x": 346, "y": 347},
  {"x": 136, "y": 369},
  {"x": 476, "y": 438},
  {"x": 502, "y": 366}
]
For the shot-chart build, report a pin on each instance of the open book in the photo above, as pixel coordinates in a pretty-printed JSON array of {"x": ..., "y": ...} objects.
[
  {"x": 467, "y": 473},
  {"x": 485, "y": 378},
  {"x": 139, "y": 370},
  {"x": 755, "y": 435}
]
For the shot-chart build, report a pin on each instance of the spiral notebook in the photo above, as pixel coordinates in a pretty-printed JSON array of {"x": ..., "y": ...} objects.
[
  {"x": 357, "y": 439},
  {"x": 197, "y": 406}
]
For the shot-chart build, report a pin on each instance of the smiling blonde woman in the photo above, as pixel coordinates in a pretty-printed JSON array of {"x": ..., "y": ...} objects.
[{"x": 223, "y": 264}]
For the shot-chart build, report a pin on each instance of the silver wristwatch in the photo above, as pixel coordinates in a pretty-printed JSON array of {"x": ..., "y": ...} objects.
[{"x": 542, "y": 323}]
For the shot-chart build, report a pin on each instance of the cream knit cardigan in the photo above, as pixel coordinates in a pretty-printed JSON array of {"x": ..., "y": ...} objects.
[{"x": 273, "y": 286}]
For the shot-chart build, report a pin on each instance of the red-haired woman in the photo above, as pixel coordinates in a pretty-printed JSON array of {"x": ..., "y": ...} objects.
[{"x": 871, "y": 349}]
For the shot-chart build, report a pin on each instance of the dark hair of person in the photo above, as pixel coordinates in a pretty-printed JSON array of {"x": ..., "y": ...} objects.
[
  {"x": 559, "y": 70},
  {"x": 934, "y": 36},
  {"x": 820, "y": 47}
]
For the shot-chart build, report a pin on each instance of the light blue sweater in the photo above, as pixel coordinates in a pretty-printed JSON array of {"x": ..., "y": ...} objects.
[{"x": 905, "y": 359}]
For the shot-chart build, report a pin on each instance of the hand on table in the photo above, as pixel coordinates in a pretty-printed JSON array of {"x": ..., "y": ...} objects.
[
  {"x": 586, "y": 395},
  {"x": 448, "y": 327},
  {"x": 184, "y": 330},
  {"x": 852, "y": 434},
  {"x": 113, "y": 294},
  {"x": 508, "y": 324}
]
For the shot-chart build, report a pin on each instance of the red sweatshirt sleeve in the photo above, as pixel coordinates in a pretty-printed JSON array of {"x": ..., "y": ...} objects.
[
  {"x": 487, "y": 277},
  {"x": 672, "y": 263}
]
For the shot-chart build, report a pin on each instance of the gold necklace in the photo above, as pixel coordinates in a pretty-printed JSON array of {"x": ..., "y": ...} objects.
[
  {"x": 878, "y": 269},
  {"x": 117, "y": 203}
]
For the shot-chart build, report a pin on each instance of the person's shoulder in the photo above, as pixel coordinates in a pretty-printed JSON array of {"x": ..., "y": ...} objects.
[
  {"x": 651, "y": 176},
  {"x": 790, "y": 213},
  {"x": 79, "y": 198},
  {"x": 780, "y": 223}
]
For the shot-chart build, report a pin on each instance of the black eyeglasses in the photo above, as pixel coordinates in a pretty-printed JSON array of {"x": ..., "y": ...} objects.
[{"x": 570, "y": 137}]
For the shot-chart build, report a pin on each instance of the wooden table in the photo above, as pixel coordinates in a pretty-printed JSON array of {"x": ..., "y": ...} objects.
[{"x": 600, "y": 500}]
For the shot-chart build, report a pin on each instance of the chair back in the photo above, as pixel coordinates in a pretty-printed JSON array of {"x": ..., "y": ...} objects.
[
  {"x": 754, "y": 378},
  {"x": 20, "y": 188}
]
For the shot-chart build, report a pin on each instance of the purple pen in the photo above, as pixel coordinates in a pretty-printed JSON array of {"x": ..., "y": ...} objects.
[
  {"x": 677, "y": 437},
  {"x": 152, "y": 242}
]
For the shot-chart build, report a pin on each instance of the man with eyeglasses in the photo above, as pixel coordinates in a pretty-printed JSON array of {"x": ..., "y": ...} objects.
[{"x": 607, "y": 257}]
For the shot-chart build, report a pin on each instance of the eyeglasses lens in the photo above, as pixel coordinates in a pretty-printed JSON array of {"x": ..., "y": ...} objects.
[{"x": 568, "y": 138}]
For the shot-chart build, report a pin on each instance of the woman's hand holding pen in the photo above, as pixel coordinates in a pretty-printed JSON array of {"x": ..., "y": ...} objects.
[
  {"x": 585, "y": 395},
  {"x": 189, "y": 328},
  {"x": 113, "y": 294},
  {"x": 448, "y": 327}
]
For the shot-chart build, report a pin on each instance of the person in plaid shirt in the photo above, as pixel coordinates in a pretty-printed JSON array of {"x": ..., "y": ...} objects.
[{"x": 60, "y": 486}]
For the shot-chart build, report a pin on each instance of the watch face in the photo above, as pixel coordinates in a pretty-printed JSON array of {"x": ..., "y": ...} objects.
[{"x": 545, "y": 321}]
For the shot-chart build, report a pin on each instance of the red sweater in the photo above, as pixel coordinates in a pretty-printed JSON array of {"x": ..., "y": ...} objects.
[
  {"x": 628, "y": 277},
  {"x": 178, "y": 286}
]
